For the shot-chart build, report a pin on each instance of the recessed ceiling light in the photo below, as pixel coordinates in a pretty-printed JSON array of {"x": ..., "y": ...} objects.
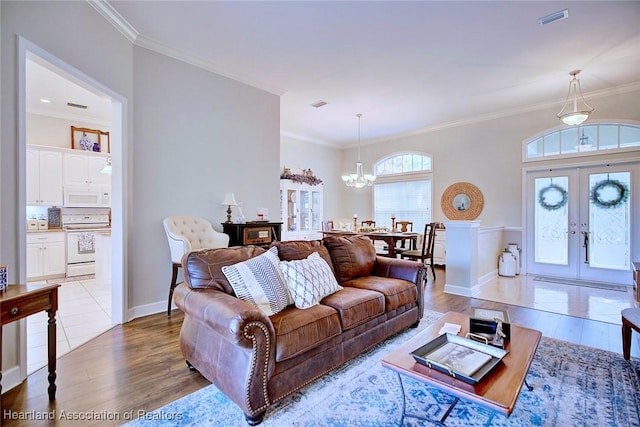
[
  {"x": 556, "y": 16},
  {"x": 71, "y": 104},
  {"x": 45, "y": 101},
  {"x": 319, "y": 104}
]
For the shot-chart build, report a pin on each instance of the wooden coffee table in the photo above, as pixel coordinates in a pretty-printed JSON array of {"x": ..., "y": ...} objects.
[{"x": 498, "y": 390}]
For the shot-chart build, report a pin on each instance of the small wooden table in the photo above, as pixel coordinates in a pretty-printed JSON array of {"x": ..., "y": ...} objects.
[
  {"x": 20, "y": 301},
  {"x": 498, "y": 390},
  {"x": 389, "y": 238}
]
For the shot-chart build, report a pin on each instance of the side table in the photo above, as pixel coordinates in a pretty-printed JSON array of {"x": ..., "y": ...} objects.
[{"x": 20, "y": 301}]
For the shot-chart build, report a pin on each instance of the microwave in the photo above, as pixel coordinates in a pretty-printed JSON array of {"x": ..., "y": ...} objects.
[{"x": 87, "y": 197}]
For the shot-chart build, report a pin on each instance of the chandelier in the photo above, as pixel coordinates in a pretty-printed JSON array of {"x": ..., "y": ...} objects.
[
  {"x": 581, "y": 109},
  {"x": 358, "y": 179}
]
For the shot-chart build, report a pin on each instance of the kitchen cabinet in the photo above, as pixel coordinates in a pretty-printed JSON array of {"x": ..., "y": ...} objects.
[
  {"x": 300, "y": 210},
  {"x": 82, "y": 169},
  {"x": 439, "y": 247},
  {"x": 45, "y": 254},
  {"x": 44, "y": 177}
]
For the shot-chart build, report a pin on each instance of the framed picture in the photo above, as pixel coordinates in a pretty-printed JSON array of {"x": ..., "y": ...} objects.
[{"x": 90, "y": 140}]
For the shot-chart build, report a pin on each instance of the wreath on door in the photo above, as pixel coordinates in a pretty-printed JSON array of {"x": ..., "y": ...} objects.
[
  {"x": 552, "y": 197},
  {"x": 609, "y": 193}
]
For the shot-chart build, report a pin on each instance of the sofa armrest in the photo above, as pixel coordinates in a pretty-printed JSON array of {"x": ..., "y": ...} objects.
[
  {"x": 225, "y": 314},
  {"x": 397, "y": 268},
  {"x": 412, "y": 271}
]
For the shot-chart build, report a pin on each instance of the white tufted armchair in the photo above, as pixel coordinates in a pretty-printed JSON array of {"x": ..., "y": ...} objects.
[{"x": 189, "y": 233}]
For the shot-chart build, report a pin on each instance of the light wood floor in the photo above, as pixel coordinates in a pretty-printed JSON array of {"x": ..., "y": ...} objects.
[{"x": 138, "y": 366}]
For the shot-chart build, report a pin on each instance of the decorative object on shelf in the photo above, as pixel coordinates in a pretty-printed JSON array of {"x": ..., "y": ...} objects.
[
  {"x": 262, "y": 214},
  {"x": 581, "y": 109},
  {"x": 609, "y": 193},
  {"x": 100, "y": 142},
  {"x": 54, "y": 218},
  {"x": 107, "y": 167},
  {"x": 462, "y": 201},
  {"x": 85, "y": 142},
  {"x": 552, "y": 197},
  {"x": 229, "y": 200},
  {"x": 3, "y": 277},
  {"x": 358, "y": 179},
  {"x": 306, "y": 177}
]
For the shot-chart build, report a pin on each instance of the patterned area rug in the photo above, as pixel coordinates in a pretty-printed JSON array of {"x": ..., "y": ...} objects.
[{"x": 573, "y": 386}]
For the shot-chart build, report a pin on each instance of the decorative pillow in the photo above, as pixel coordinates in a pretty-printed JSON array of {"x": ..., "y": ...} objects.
[
  {"x": 309, "y": 280},
  {"x": 259, "y": 281}
]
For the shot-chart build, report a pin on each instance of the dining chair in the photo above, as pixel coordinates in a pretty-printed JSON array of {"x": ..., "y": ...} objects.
[
  {"x": 426, "y": 253},
  {"x": 404, "y": 227},
  {"x": 368, "y": 223},
  {"x": 189, "y": 233}
]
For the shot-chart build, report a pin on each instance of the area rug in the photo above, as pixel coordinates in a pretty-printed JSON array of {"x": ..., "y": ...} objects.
[{"x": 572, "y": 386}]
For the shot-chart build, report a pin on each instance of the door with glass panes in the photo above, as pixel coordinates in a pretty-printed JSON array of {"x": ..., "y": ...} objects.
[{"x": 580, "y": 222}]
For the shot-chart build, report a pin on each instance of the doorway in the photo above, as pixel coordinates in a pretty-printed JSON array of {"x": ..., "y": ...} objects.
[
  {"x": 579, "y": 222},
  {"x": 109, "y": 298}
]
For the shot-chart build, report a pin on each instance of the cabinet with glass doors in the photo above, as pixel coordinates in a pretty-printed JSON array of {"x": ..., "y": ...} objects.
[{"x": 300, "y": 210}]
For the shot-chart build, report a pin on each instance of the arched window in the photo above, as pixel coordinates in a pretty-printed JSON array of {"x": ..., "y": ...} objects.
[
  {"x": 590, "y": 139},
  {"x": 403, "y": 189}
]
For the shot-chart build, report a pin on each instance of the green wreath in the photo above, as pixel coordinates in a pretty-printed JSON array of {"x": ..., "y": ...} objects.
[
  {"x": 619, "y": 187},
  {"x": 542, "y": 197}
]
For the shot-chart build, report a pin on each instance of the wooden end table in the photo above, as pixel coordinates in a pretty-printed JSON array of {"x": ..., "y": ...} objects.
[
  {"x": 498, "y": 390},
  {"x": 20, "y": 301}
]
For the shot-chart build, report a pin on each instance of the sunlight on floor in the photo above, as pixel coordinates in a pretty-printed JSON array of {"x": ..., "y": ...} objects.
[
  {"x": 84, "y": 312},
  {"x": 586, "y": 302}
]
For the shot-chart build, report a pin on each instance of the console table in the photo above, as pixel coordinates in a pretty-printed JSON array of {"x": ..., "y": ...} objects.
[
  {"x": 252, "y": 233},
  {"x": 20, "y": 301}
]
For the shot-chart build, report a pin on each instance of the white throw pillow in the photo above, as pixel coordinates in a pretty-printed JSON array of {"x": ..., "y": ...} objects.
[
  {"x": 259, "y": 281},
  {"x": 309, "y": 280}
]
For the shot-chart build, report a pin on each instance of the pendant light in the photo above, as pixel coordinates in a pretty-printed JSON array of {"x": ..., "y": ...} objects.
[
  {"x": 358, "y": 179},
  {"x": 581, "y": 109}
]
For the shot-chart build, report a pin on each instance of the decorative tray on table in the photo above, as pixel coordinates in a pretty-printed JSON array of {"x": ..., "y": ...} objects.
[{"x": 462, "y": 358}]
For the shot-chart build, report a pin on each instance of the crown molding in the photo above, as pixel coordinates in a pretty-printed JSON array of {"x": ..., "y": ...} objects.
[{"x": 114, "y": 18}]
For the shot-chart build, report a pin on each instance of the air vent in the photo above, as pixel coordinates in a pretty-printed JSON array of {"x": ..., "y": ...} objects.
[
  {"x": 557, "y": 16},
  {"x": 319, "y": 104},
  {"x": 71, "y": 104}
]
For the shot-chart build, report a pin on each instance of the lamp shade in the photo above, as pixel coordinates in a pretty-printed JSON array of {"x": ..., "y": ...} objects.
[
  {"x": 229, "y": 200},
  {"x": 107, "y": 167}
]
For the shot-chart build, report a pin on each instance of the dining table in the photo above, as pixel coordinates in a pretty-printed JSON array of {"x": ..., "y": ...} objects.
[{"x": 391, "y": 238}]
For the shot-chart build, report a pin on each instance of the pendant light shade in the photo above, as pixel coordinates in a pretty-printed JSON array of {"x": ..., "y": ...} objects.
[
  {"x": 358, "y": 179},
  {"x": 581, "y": 110}
]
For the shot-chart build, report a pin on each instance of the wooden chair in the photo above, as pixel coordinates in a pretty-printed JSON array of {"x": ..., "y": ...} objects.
[
  {"x": 426, "y": 253},
  {"x": 404, "y": 227},
  {"x": 368, "y": 223}
]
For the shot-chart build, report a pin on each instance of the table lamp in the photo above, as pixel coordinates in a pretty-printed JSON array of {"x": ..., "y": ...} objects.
[{"x": 229, "y": 200}]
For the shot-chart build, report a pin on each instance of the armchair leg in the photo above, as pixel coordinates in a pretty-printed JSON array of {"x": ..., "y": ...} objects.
[
  {"x": 174, "y": 277},
  {"x": 254, "y": 420}
]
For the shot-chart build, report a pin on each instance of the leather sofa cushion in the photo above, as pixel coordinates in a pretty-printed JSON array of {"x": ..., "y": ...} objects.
[
  {"x": 294, "y": 250},
  {"x": 352, "y": 256},
  {"x": 355, "y": 306},
  {"x": 300, "y": 330},
  {"x": 397, "y": 292},
  {"x": 203, "y": 269}
]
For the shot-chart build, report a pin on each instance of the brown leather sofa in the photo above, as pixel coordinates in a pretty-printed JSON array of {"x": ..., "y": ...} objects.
[{"x": 257, "y": 360}]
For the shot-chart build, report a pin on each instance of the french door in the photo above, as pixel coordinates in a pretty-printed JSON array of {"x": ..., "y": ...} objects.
[{"x": 580, "y": 222}]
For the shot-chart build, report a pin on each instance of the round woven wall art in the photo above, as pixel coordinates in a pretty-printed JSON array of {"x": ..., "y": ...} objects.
[{"x": 462, "y": 201}]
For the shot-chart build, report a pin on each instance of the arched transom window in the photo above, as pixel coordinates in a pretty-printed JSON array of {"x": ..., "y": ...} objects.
[
  {"x": 403, "y": 163},
  {"x": 593, "y": 138}
]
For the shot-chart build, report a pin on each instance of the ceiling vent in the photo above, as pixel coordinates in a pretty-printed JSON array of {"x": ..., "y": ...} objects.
[
  {"x": 319, "y": 104},
  {"x": 557, "y": 16},
  {"x": 71, "y": 104}
]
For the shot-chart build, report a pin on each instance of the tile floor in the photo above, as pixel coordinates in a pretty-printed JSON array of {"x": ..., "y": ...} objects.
[
  {"x": 602, "y": 305},
  {"x": 84, "y": 312}
]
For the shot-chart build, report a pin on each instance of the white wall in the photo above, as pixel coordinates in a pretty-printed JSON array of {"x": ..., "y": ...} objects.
[{"x": 487, "y": 154}]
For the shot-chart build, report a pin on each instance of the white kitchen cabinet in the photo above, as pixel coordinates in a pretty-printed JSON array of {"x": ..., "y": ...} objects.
[
  {"x": 45, "y": 254},
  {"x": 44, "y": 177},
  {"x": 439, "y": 247},
  {"x": 300, "y": 210},
  {"x": 83, "y": 169}
]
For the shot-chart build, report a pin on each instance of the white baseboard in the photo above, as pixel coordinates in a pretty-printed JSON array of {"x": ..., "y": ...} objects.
[
  {"x": 462, "y": 290},
  {"x": 148, "y": 309},
  {"x": 11, "y": 378},
  {"x": 487, "y": 277}
]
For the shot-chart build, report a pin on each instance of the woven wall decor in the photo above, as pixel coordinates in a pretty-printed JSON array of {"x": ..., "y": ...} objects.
[{"x": 462, "y": 201}]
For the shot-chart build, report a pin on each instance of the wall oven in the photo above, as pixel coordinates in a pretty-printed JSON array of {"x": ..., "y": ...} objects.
[{"x": 81, "y": 229}]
